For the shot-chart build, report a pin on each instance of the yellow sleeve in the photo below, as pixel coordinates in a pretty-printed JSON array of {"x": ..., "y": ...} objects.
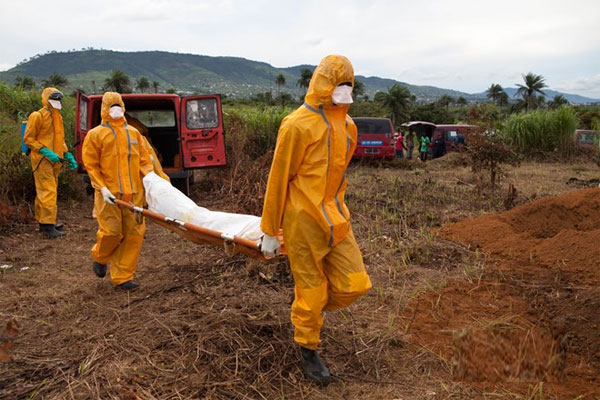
[
  {"x": 146, "y": 165},
  {"x": 31, "y": 131},
  {"x": 289, "y": 153},
  {"x": 91, "y": 159}
]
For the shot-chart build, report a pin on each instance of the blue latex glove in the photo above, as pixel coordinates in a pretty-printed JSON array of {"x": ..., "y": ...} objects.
[
  {"x": 50, "y": 155},
  {"x": 72, "y": 163}
]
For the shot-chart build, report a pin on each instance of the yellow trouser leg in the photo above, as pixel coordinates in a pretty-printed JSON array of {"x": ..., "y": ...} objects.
[
  {"x": 325, "y": 279},
  {"x": 346, "y": 274},
  {"x": 124, "y": 260},
  {"x": 119, "y": 239},
  {"x": 46, "y": 183}
]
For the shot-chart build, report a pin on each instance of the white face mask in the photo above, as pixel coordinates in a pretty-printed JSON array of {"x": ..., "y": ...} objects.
[
  {"x": 115, "y": 112},
  {"x": 55, "y": 104},
  {"x": 342, "y": 95}
]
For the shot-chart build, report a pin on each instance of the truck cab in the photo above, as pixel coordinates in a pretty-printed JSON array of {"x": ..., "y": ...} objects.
[{"x": 186, "y": 132}]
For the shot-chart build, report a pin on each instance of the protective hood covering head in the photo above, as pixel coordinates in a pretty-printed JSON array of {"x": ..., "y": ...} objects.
[
  {"x": 332, "y": 70},
  {"x": 46, "y": 95},
  {"x": 109, "y": 99}
]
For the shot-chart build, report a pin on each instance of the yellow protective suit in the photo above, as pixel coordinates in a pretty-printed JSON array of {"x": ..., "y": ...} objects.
[
  {"x": 305, "y": 196},
  {"x": 45, "y": 129},
  {"x": 143, "y": 129},
  {"x": 154, "y": 159},
  {"x": 115, "y": 157}
]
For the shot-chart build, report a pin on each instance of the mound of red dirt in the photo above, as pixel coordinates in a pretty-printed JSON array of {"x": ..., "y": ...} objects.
[
  {"x": 561, "y": 233},
  {"x": 534, "y": 312}
]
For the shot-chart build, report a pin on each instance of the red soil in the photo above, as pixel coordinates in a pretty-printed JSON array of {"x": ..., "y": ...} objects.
[{"x": 534, "y": 314}]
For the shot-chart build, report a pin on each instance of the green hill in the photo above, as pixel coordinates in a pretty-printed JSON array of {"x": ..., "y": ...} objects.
[
  {"x": 234, "y": 76},
  {"x": 190, "y": 73}
]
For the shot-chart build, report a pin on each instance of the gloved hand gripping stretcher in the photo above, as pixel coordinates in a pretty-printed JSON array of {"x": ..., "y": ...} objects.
[{"x": 168, "y": 207}]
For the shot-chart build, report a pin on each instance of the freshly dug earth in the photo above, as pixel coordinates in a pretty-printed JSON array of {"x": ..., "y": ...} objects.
[
  {"x": 551, "y": 237},
  {"x": 533, "y": 314}
]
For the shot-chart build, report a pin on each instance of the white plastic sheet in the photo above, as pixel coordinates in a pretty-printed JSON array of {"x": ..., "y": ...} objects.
[{"x": 165, "y": 199}]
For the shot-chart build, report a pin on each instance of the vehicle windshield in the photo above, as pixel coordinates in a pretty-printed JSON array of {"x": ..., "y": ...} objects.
[
  {"x": 154, "y": 118},
  {"x": 373, "y": 126}
]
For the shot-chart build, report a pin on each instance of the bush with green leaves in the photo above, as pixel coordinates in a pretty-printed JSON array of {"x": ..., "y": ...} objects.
[
  {"x": 542, "y": 131},
  {"x": 488, "y": 152}
]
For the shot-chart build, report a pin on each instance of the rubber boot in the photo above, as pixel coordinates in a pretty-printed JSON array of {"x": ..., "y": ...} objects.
[
  {"x": 313, "y": 367},
  {"x": 59, "y": 226},
  {"x": 129, "y": 285},
  {"x": 50, "y": 231},
  {"x": 99, "y": 269}
]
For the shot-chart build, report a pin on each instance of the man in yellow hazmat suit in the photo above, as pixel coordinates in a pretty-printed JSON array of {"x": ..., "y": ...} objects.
[
  {"x": 45, "y": 138},
  {"x": 305, "y": 197},
  {"x": 116, "y": 161}
]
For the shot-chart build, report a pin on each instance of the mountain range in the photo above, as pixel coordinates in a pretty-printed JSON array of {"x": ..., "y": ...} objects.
[{"x": 189, "y": 73}]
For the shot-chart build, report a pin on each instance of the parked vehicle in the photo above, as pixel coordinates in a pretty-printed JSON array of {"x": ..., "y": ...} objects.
[
  {"x": 375, "y": 138},
  {"x": 187, "y": 132},
  {"x": 453, "y": 137},
  {"x": 587, "y": 138}
]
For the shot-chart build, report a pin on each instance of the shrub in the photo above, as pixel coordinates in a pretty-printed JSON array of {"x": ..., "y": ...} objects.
[{"x": 488, "y": 152}]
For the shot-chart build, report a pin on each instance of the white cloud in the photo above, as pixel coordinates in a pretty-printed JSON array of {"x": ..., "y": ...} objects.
[{"x": 463, "y": 44}]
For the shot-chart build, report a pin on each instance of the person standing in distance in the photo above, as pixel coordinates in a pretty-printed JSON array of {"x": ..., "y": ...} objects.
[
  {"x": 305, "y": 197},
  {"x": 45, "y": 138}
]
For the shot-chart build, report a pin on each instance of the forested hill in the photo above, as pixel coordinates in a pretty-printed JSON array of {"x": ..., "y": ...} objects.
[{"x": 234, "y": 76}]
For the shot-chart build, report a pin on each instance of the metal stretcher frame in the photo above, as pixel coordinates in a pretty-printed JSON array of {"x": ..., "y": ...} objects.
[{"x": 197, "y": 234}]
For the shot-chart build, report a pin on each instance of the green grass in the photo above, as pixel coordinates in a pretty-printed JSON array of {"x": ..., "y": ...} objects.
[{"x": 542, "y": 130}]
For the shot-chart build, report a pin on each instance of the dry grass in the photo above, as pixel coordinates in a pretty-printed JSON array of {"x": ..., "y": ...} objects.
[{"x": 207, "y": 327}]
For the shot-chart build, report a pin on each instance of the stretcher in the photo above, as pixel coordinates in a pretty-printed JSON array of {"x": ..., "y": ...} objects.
[{"x": 200, "y": 235}]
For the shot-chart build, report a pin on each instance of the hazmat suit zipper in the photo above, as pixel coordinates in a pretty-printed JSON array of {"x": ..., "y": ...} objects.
[
  {"x": 129, "y": 158},
  {"x": 337, "y": 200},
  {"x": 118, "y": 156}
]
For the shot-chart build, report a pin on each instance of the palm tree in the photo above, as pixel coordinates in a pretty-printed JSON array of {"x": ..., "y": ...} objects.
[
  {"x": 557, "y": 101},
  {"x": 55, "y": 80},
  {"x": 494, "y": 92},
  {"x": 155, "y": 85},
  {"x": 305, "y": 77},
  {"x": 358, "y": 90},
  {"x": 279, "y": 81},
  {"x": 398, "y": 100},
  {"x": 142, "y": 84},
  {"x": 118, "y": 81},
  {"x": 533, "y": 85}
]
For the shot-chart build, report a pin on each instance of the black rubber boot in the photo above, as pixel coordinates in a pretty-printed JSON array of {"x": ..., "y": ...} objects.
[
  {"x": 99, "y": 269},
  {"x": 313, "y": 367},
  {"x": 50, "y": 232},
  {"x": 59, "y": 226},
  {"x": 129, "y": 285}
]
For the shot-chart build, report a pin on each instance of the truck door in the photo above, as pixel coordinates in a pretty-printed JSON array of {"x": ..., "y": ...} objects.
[
  {"x": 202, "y": 134},
  {"x": 82, "y": 125}
]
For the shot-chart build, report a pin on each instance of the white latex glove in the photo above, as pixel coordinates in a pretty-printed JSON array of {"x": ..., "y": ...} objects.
[
  {"x": 109, "y": 198},
  {"x": 270, "y": 246}
]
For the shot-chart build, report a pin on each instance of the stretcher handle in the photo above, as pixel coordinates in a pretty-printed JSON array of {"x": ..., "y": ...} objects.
[{"x": 206, "y": 231}]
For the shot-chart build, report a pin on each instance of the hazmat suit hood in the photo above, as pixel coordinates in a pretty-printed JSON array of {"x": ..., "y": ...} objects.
[
  {"x": 332, "y": 70},
  {"x": 46, "y": 95},
  {"x": 108, "y": 100}
]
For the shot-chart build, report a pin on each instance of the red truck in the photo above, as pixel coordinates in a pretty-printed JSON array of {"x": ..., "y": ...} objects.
[
  {"x": 374, "y": 138},
  {"x": 187, "y": 132}
]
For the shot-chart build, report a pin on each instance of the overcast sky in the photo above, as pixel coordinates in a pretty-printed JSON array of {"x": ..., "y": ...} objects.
[{"x": 462, "y": 44}]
